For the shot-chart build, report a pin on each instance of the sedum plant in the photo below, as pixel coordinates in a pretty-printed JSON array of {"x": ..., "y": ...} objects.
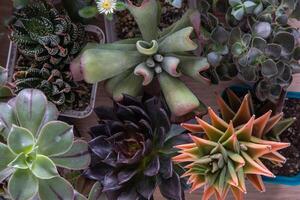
[
  {"x": 128, "y": 65},
  {"x": 133, "y": 147},
  {"x": 36, "y": 146},
  {"x": 230, "y": 152},
  {"x": 47, "y": 40},
  {"x": 253, "y": 40}
]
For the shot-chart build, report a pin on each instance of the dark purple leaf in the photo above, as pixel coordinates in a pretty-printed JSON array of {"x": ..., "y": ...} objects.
[
  {"x": 97, "y": 172},
  {"x": 166, "y": 167},
  {"x": 98, "y": 130},
  {"x": 129, "y": 195},
  {"x": 110, "y": 182},
  {"x": 171, "y": 188},
  {"x": 125, "y": 160},
  {"x": 146, "y": 187},
  {"x": 129, "y": 100},
  {"x": 153, "y": 167},
  {"x": 125, "y": 175},
  {"x": 125, "y": 114},
  {"x": 105, "y": 113},
  {"x": 100, "y": 146}
]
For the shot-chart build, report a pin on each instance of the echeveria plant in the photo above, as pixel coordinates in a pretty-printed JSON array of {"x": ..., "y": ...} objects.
[
  {"x": 133, "y": 147},
  {"x": 230, "y": 152},
  {"x": 36, "y": 145},
  {"x": 128, "y": 65},
  {"x": 253, "y": 40}
]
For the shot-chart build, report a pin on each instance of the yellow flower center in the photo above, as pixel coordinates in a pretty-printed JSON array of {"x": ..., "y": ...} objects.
[{"x": 106, "y": 4}]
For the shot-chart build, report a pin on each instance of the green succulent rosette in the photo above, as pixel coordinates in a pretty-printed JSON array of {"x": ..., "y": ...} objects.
[{"x": 36, "y": 145}]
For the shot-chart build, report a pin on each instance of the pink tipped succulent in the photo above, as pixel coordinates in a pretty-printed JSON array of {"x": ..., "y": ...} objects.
[{"x": 230, "y": 152}]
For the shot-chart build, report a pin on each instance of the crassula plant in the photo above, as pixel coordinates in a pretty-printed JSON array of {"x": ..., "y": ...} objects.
[
  {"x": 230, "y": 152},
  {"x": 133, "y": 147},
  {"x": 36, "y": 146},
  {"x": 252, "y": 40},
  {"x": 128, "y": 65}
]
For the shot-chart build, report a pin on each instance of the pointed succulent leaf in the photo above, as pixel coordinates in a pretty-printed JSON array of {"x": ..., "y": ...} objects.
[
  {"x": 170, "y": 188},
  {"x": 76, "y": 158},
  {"x": 6, "y": 156},
  {"x": 179, "y": 98},
  {"x": 51, "y": 113},
  {"x": 44, "y": 168},
  {"x": 20, "y": 140},
  {"x": 147, "y": 25},
  {"x": 55, "y": 138},
  {"x": 56, "y": 188},
  {"x": 184, "y": 42},
  {"x": 7, "y": 118},
  {"x": 19, "y": 162},
  {"x": 94, "y": 63},
  {"x": 28, "y": 116},
  {"x": 23, "y": 185},
  {"x": 96, "y": 192}
]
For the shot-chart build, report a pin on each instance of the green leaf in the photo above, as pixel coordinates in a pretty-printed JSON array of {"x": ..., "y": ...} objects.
[
  {"x": 96, "y": 192},
  {"x": 79, "y": 196},
  {"x": 234, "y": 2},
  {"x": 5, "y": 92},
  {"x": 3, "y": 75},
  {"x": 44, "y": 168},
  {"x": 5, "y": 173},
  {"x": 120, "y": 6},
  {"x": 55, "y": 189},
  {"x": 20, "y": 140},
  {"x": 88, "y": 12},
  {"x": 18, "y": 4},
  {"x": 249, "y": 6},
  {"x": 23, "y": 185},
  {"x": 76, "y": 158},
  {"x": 27, "y": 102},
  {"x": 238, "y": 13},
  {"x": 147, "y": 25},
  {"x": 55, "y": 138},
  {"x": 7, "y": 118},
  {"x": 94, "y": 63},
  {"x": 51, "y": 113},
  {"x": 6, "y": 156},
  {"x": 19, "y": 162}
]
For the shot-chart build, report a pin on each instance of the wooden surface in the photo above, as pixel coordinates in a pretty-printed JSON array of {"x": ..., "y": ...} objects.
[{"x": 274, "y": 192}]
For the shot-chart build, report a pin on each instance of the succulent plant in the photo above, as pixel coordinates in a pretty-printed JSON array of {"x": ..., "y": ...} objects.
[
  {"x": 231, "y": 102},
  {"x": 128, "y": 65},
  {"x": 132, "y": 149},
  {"x": 5, "y": 91},
  {"x": 230, "y": 152},
  {"x": 36, "y": 145},
  {"x": 56, "y": 83},
  {"x": 254, "y": 40}
]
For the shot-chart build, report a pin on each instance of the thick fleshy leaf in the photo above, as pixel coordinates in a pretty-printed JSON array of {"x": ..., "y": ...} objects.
[
  {"x": 146, "y": 187},
  {"x": 269, "y": 68},
  {"x": 44, "y": 168},
  {"x": 286, "y": 41},
  {"x": 20, "y": 140},
  {"x": 262, "y": 29},
  {"x": 126, "y": 175},
  {"x": 170, "y": 188},
  {"x": 94, "y": 63},
  {"x": 7, "y": 118},
  {"x": 110, "y": 84},
  {"x": 55, "y": 138},
  {"x": 144, "y": 71},
  {"x": 5, "y": 92},
  {"x": 131, "y": 85},
  {"x": 55, "y": 189},
  {"x": 26, "y": 103},
  {"x": 183, "y": 42},
  {"x": 5, "y": 173},
  {"x": 23, "y": 185},
  {"x": 147, "y": 25},
  {"x": 179, "y": 98},
  {"x": 147, "y": 48},
  {"x": 77, "y": 158},
  {"x": 6, "y": 156},
  {"x": 19, "y": 162},
  {"x": 96, "y": 192},
  {"x": 51, "y": 113},
  {"x": 153, "y": 167}
]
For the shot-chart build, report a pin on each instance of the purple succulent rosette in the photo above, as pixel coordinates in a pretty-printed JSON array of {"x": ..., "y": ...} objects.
[{"x": 132, "y": 149}]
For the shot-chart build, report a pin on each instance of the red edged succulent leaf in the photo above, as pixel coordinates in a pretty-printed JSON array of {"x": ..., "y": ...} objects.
[{"x": 132, "y": 150}]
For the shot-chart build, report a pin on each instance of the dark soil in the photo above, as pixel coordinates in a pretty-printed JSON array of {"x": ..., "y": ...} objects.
[
  {"x": 291, "y": 135},
  {"x": 126, "y": 27}
]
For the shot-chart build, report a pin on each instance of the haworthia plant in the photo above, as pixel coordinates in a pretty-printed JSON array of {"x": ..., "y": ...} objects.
[
  {"x": 166, "y": 55},
  {"x": 36, "y": 145}
]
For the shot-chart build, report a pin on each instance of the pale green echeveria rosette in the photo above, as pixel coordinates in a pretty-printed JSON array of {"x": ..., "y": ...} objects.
[
  {"x": 36, "y": 145},
  {"x": 128, "y": 65}
]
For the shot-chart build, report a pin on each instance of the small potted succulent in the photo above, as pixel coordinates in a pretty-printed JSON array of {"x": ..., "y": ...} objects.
[
  {"x": 46, "y": 40},
  {"x": 36, "y": 147},
  {"x": 144, "y": 61},
  {"x": 232, "y": 150}
]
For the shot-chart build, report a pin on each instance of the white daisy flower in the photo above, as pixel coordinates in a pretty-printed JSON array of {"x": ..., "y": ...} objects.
[{"x": 106, "y": 6}]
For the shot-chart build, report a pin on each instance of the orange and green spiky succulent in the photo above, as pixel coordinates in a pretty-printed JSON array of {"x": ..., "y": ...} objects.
[{"x": 230, "y": 152}]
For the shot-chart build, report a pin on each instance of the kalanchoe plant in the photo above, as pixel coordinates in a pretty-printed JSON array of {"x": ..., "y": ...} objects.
[
  {"x": 128, "y": 65},
  {"x": 36, "y": 146},
  {"x": 254, "y": 40},
  {"x": 47, "y": 40},
  {"x": 132, "y": 149},
  {"x": 230, "y": 152},
  {"x": 5, "y": 90}
]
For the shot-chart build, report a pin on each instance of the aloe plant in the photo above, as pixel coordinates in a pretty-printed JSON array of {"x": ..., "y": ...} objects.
[
  {"x": 128, "y": 65},
  {"x": 253, "y": 40},
  {"x": 36, "y": 146}
]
